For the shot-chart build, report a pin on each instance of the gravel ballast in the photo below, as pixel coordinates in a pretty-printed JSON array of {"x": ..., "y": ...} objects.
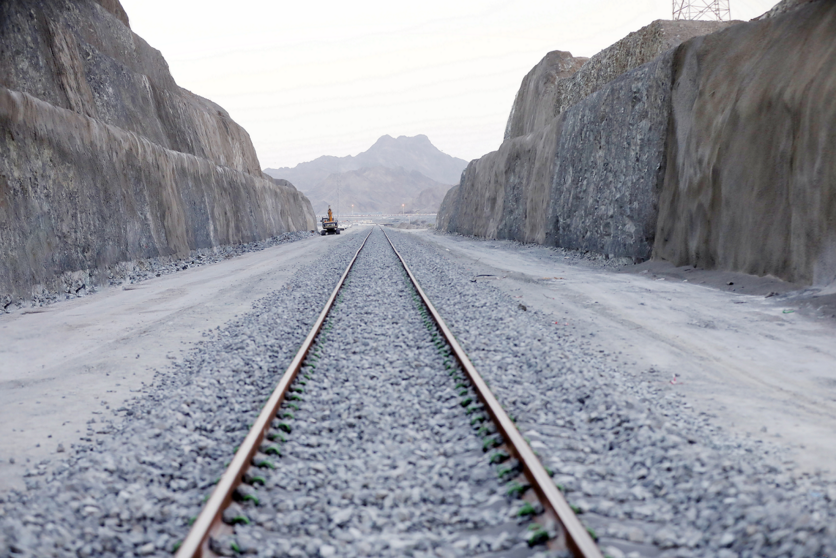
[
  {"x": 378, "y": 475},
  {"x": 652, "y": 476},
  {"x": 380, "y": 456},
  {"x": 134, "y": 487}
]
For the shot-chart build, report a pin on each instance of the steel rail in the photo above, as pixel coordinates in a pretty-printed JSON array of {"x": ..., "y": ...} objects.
[
  {"x": 577, "y": 539},
  {"x": 210, "y": 519}
]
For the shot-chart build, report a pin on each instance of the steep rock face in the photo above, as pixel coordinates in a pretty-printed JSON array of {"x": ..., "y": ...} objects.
[
  {"x": 783, "y": 7},
  {"x": 534, "y": 104},
  {"x": 751, "y": 177},
  {"x": 588, "y": 178},
  {"x": 80, "y": 56},
  {"x": 114, "y": 7},
  {"x": 504, "y": 194},
  {"x": 611, "y": 158},
  {"x": 634, "y": 50},
  {"x": 104, "y": 158},
  {"x": 718, "y": 153}
]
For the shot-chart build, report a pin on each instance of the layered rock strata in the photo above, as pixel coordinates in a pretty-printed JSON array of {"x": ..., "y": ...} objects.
[{"x": 103, "y": 158}]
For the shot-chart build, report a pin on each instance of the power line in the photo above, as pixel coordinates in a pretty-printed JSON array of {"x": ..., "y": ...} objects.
[{"x": 719, "y": 10}]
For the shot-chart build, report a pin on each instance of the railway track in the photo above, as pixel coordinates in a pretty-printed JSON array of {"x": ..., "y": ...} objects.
[{"x": 440, "y": 396}]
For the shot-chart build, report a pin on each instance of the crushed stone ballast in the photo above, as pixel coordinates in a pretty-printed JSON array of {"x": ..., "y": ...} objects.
[{"x": 243, "y": 486}]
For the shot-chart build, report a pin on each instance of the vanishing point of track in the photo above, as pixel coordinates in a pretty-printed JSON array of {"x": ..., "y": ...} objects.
[{"x": 557, "y": 518}]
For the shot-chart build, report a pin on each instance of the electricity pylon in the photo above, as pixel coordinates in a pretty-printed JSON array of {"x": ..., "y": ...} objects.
[{"x": 702, "y": 9}]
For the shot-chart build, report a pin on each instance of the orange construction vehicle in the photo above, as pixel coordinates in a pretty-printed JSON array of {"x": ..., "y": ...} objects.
[{"x": 329, "y": 224}]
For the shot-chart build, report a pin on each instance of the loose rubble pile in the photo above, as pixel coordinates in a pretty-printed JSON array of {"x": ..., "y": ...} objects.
[
  {"x": 649, "y": 474},
  {"x": 81, "y": 283}
]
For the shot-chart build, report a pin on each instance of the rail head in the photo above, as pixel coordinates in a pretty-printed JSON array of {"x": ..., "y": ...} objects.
[
  {"x": 210, "y": 520},
  {"x": 578, "y": 539}
]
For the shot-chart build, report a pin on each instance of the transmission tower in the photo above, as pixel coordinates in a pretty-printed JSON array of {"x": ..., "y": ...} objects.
[{"x": 702, "y": 9}]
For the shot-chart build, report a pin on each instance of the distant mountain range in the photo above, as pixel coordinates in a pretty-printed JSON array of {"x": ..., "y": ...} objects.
[
  {"x": 393, "y": 171},
  {"x": 377, "y": 190}
]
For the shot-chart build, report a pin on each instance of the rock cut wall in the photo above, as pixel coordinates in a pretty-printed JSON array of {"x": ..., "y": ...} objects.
[
  {"x": 751, "y": 177},
  {"x": 714, "y": 149},
  {"x": 103, "y": 158},
  {"x": 584, "y": 151}
]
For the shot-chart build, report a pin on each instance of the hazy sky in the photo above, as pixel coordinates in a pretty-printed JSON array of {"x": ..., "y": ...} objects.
[{"x": 311, "y": 78}]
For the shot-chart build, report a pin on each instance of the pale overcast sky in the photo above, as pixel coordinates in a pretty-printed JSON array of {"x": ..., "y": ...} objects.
[{"x": 311, "y": 78}]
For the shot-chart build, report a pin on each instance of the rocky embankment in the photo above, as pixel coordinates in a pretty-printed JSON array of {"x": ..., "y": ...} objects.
[
  {"x": 583, "y": 150},
  {"x": 701, "y": 143},
  {"x": 104, "y": 159}
]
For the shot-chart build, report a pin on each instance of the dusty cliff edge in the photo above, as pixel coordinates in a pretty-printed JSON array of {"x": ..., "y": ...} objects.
[
  {"x": 699, "y": 143},
  {"x": 104, "y": 159}
]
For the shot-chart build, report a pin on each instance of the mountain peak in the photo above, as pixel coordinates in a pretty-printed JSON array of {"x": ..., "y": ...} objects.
[
  {"x": 387, "y": 140},
  {"x": 406, "y": 170},
  {"x": 383, "y": 140},
  {"x": 414, "y": 153}
]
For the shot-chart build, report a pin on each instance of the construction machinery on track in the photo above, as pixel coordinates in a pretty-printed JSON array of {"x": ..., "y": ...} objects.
[{"x": 329, "y": 224}]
